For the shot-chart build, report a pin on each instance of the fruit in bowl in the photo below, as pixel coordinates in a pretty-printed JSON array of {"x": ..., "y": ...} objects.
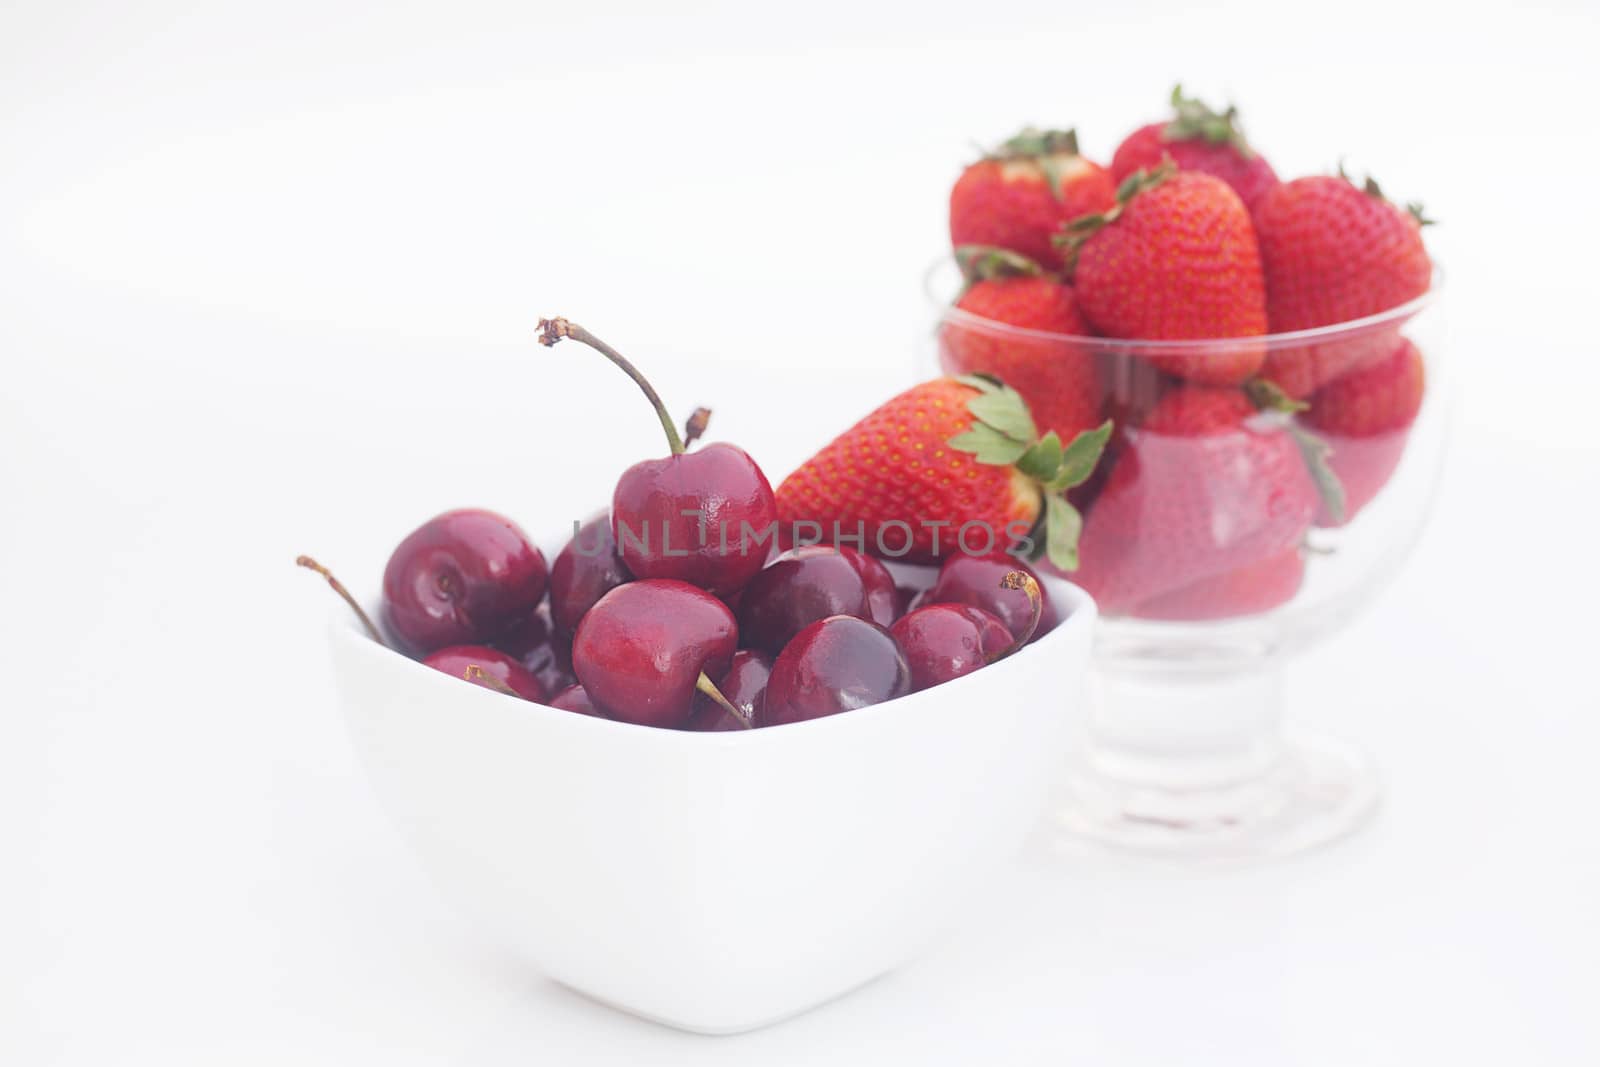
[
  {"x": 738, "y": 767},
  {"x": 1267, "y": 354}
]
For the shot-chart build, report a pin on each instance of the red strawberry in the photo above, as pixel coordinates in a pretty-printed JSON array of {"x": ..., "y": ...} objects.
[
  {"x": 1058, "y": 379},
  {"x": 1176, "y": 259},
  {"x": 1207, "y": 484},
  {"x": 1332, "y": 252},
  {"x": 1199, "y": 139},
  {"x": 950, "y": 465},
  {"x": 1017, "y": 197},
  {"x": 1249, "y": 590},
  {"x": 1364, "y": 419}
]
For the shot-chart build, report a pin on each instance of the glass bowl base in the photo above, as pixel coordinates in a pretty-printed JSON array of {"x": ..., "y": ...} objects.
[{"x": 1317, "y": 790}]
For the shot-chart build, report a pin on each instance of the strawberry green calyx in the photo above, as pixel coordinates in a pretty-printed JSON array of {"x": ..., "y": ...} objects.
[
  {"x": 1033, "y": 142},
  {"x": 982, "y": 263},
  {"x": 1314, "y": 450},
  {"x": 1043, "y": 147},
  {"x": 1371, "y": 187},
  {"x": 1266, "y": 396},
  {"x": 1003, "y": 434},
  {"x": 1073, "y": 234},
  {"x": 1194, "y": 120}
]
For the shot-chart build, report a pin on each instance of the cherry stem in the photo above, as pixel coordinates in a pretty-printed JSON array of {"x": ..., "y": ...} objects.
[
  {"x": 1025, "y": 582},
  {"x": 553, "y": 330},
  {"x": 709, "y": 688},
  {"x": 695, "y": 426},
  {"x": 338, "y": 587},
  {"x": 478, "y": 676}
]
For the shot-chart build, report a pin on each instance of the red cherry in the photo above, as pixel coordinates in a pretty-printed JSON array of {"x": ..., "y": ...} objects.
[
  {"x": 808, "y": 584},
  {"x": 488, "y": 668},
  {"x": 706, "y": 517},
  {"x": 532, "y": 643},
  {"x": 836, "y": 664},
  {"x": 584, "y": 571},
  {"x": 460, "y": 578},
  {"x": 576, "y": 698},
  {"x": 744, "y": 684},
  {"x": 645, "y": 648},
  {"x": 980, "y": 581},
  {"x": 945, "y": 641}
]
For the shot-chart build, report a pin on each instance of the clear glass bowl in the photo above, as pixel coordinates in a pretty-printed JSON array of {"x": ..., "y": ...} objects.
[{"x": 1212, "y": 567}]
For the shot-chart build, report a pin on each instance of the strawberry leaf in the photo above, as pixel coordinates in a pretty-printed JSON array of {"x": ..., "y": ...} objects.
[
  {"x": 1005, "y": 411},
  {"x": 989, "y": 445},
  {"x": 1080, "y": 458},
  {"x": 1315, "y": 451},
  {"x": 985, "y": 262},
  {"x": 984, "y": 383},
  {"x": 1033, "y": 142},
  {"x": 1042, "y": 460},
  {"x": 1267, "y": 396},
  {"x": 1194, "y": 120},
  {"x": 1062, "y": 525}
]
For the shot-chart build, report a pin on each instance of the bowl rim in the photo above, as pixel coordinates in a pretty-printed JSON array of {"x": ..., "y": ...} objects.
[
  {"x": 1078, "y": 612},
  {"x": 950, "y": 314}
]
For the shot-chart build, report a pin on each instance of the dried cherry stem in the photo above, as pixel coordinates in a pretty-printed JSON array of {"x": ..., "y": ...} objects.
[
  {"x": 338, "y": 587},
  {"x": 478, "y": 676},
  {"x": 709, "y": 688},
  {"x": 553, "y": 330},
  {"x": 696, "y": 426},
  {"x": 1025, "y": 582}
]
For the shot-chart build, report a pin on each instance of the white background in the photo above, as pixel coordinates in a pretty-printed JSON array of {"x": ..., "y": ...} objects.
[{"x": 268, "y": 276}]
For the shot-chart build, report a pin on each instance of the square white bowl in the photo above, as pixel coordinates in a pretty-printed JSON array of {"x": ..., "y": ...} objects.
[{"x": 717, "y": 882}]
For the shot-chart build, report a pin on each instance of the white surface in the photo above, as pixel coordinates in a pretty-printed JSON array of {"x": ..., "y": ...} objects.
[
  {"x": 717, "y": 882},
  {"x": 269, "y": 278}
]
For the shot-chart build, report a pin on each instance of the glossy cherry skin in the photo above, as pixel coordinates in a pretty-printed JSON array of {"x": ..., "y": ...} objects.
[
  {"x": 532, "y": 643},
  {"x": 836, "y": 664},
  {"x": 945, "y": 641},
  {"x": 712, "y": 549},
  {"x": 576, "y": 698},
  {"x": 744, "y": 683},
  {"x": 975, "y": 580},
  {"x": 456, "y": 660},
  {"x": 461, "y": 578},
  {"x": 584, "y": 571},
  {"x": 640, "y": 650},
  {"x": 811, "y": 583}
]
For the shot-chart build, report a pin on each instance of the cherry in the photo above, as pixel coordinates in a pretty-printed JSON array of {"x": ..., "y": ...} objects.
[
  {"x": 836, "y": 664},
  {"x": 478, "y": 664},
  {"x": 946, "y": 641},
  {"x": 543, "y": 652},
  {"x": 978, "y": 580},
  {"x": 811, "y": 583},
  {"x": 585, "y": 570},
  {"x": 461, "y": 578},
  {"x": 704, "y": 517},
  {"x": 646, "y": 647},
  {"x": 744, "y": 684},
  {"x": 576, "y": 698},
  {"x": 488, "y": 667}
]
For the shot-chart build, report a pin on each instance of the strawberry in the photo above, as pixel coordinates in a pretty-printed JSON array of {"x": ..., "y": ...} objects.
[
  {"x": 1019, "y": 195},
  {"x": 1175, "y": 259},
  {"x": 1331, "y": 252},
  {"x": 1364, "y": 418},
  {"x": 1249, "y": 590},
  {"x": 1205, "y": 485},
  {"x": 950, "y": 465},
  {"x": 1198, "y": 139},
  {"x": 1058, "y": 378}
]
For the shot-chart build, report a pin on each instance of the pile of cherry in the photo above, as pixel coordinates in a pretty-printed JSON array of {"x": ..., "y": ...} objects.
[{"x": 661, "y": 613}]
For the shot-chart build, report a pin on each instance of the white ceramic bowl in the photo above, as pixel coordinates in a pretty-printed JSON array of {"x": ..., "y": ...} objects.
[{"x": 717, "y": 882}]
